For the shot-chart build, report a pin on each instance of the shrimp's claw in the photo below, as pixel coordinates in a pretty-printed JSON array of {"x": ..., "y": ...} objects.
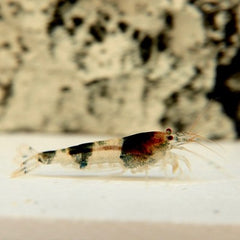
[{"x": 28, "y": 159}]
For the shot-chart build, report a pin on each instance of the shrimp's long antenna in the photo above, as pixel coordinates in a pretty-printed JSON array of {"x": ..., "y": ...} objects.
[
  {"x": 217, "y": 166},
  {"x": 204, "y": 145},
  {"x": 199, "y": 116},
  {"x": 195, "y": 138}
]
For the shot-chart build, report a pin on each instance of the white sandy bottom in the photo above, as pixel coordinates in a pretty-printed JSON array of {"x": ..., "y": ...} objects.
[{"x": 206, "y": 195}]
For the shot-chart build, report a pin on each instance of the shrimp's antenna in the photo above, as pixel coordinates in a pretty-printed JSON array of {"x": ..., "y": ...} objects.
[
  {"x": 204, "y": 145},
  {"x": 199, "y": 140},
  {"x": 217, "y": 166},
  {"x": 199, "y": 116}
]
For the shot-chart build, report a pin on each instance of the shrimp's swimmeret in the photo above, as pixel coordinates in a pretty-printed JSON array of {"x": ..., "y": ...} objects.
[{"x": 137, "y": 152}]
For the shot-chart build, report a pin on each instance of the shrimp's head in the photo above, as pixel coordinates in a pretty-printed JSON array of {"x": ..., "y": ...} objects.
[
  {"x": 184, "y": 138},
  {"x": 163, "y": 139},
  {"x": 168, "y": 139}
]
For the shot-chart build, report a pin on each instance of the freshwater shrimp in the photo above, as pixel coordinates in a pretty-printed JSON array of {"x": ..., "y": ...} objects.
[{"x": 138, "y": 152}]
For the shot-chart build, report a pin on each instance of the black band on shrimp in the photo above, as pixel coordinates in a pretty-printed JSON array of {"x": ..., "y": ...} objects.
[
  {"x": 46, "y": 157},
  {"x": 81, "y": 153}
]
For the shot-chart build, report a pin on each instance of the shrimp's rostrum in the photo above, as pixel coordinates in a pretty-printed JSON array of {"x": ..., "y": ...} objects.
[{"x": 137, "y": 152}]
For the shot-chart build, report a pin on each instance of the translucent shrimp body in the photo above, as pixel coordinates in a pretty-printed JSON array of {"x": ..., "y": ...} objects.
[{"x": 136, "y": 153}]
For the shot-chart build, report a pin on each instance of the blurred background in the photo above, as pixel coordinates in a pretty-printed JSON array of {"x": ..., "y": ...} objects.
[{"x": 120, "y": 67}]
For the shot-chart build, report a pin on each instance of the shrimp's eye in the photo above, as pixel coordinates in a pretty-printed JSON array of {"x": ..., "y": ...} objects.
[
  {"x": 170, "y": 137},
  {"x": 168, "y": 131}
]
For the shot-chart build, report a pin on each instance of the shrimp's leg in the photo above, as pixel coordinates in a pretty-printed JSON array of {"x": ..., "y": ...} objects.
[{"x": 173, "y": 160}]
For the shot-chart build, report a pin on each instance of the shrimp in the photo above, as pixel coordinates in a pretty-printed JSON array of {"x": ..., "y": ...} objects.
[{"x": 136, "y": 153}]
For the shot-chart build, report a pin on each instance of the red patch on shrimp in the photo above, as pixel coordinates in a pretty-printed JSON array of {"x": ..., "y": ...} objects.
[{"x": 143, "y": 143}]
